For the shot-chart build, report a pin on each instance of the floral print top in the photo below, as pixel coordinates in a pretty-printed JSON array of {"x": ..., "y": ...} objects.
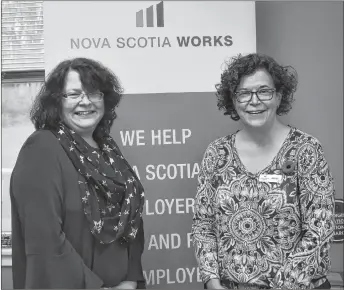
[{"x": 269, "y": 229}]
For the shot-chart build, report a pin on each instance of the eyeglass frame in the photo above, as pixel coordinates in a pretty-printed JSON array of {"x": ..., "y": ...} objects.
[
  {"x": 82, "y": 95},
  {"x": 272, "y": 90}
]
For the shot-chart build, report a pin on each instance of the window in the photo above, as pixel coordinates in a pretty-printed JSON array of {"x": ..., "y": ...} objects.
[{"x": 22, "y": 36}]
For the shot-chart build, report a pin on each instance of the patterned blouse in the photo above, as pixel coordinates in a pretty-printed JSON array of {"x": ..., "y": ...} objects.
[{"x": 269, "y": 229}]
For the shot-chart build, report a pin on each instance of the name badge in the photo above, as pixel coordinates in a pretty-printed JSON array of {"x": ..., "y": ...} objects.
[{"x": 270, "y": 178}]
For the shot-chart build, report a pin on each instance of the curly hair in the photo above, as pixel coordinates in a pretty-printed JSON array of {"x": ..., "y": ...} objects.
[
  {"x": 46, "y": 111},
  {"x": 284, "y": 77}
]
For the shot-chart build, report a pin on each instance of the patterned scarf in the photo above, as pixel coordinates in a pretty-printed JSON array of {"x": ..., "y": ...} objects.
[{"x": 112, "y": 195}]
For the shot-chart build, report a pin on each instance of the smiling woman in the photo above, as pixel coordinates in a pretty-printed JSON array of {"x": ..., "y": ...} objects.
[
  {"x": 264, "y": 209},
  {"x": 70, "y": 226}
]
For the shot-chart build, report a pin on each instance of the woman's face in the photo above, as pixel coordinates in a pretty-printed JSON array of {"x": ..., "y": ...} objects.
[
  {"x": 257, "y": 113},
  {"x": 81, "y": 115}
]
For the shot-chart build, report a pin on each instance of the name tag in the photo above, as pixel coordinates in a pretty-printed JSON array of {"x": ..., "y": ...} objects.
[{"x": 270, "y": 178}]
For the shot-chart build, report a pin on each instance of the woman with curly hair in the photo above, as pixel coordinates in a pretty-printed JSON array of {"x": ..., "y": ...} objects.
[
  {"x": 264, "y": 208},
  {"x": 76, "y": 202}
]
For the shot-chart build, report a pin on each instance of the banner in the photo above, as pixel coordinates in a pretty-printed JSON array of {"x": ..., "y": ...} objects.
[
  {"x": 184, "y": 54},
  {"x": 168, "y": 56}
]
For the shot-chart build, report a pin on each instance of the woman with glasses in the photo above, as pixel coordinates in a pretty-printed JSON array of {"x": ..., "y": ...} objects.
[
  {"x": 76, "y": 202},
  {"x": 264, "y": 209}
]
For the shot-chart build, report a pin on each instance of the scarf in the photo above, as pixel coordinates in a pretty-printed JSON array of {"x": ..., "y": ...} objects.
[{"x": 112, "y": 195}]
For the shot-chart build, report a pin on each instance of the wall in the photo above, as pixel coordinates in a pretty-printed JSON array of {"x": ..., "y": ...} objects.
[{"x": 309, "y": 36}]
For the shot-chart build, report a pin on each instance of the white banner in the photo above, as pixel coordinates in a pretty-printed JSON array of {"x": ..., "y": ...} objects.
[
  {"x": 154, "y": 47},
  {"x": 170, "y": 55}
]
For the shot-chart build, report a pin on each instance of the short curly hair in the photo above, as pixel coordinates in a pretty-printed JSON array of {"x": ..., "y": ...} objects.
[
  {"x": 284, "y": 77},
  {"x": 46, "y": 111}
]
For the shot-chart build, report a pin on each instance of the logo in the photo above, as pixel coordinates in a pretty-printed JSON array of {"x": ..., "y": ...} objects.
[
  {"x": 152, "y": 16},
  {"x": 159, "y": 16}
]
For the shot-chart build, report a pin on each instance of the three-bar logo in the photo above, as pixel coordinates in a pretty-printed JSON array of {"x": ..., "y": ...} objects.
[
  {"x": 152, "y": 16},
  {"x": 159, "y": 16}
]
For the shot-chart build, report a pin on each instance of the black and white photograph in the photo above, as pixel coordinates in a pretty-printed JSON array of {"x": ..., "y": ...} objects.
[{"x": 172, "y": 144}]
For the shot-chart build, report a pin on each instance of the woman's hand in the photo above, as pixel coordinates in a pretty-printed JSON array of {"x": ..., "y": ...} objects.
[
  {"x": 126, "y": 285},
  {"x": 214, "y": 284}
]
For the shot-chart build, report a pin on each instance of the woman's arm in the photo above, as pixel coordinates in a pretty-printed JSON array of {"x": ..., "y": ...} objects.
[
  {"x": 203, "y": 235},
  {"x": 310, "y": 258},
  {"x": 135, "y": 277},
  {"x": 48, "y": 259}
]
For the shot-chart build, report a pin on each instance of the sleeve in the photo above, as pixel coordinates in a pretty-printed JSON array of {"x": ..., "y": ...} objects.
[
  {"x": 203, "y": 224},
  {"x": 135, "y": 272},
  {"x": 50, "y": 261},
  {"x": 308, "y": 264}
]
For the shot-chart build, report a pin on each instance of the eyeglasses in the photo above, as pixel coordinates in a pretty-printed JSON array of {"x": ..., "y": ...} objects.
[
  {"x": 245, "y": 96},
  {"x": 93, "y": 97}
]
